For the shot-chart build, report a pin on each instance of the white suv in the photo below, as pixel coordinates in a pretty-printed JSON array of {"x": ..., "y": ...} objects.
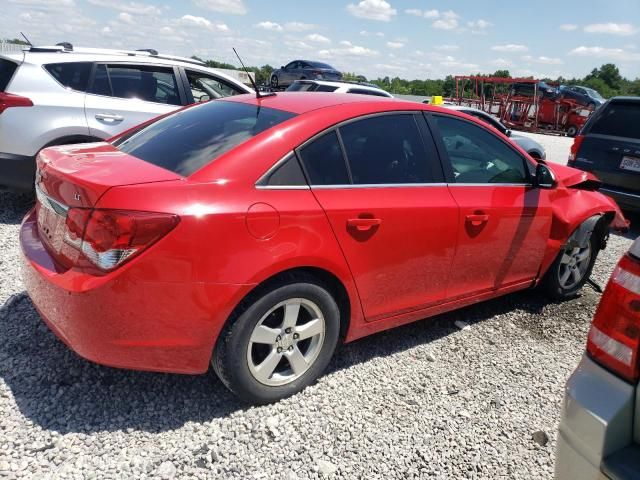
[{"x": 61, "y": 95}]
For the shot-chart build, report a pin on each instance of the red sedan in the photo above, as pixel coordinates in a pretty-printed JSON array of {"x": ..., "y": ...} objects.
[{"x": 257, "y": 234}]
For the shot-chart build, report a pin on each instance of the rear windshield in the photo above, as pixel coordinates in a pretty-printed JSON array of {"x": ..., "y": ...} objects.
[
  {"x": 620, "y": 119},
  {"x": 7, "y": 69},
  {"x": 190, "y": 139},
  {"x": 321, "y": 65}
]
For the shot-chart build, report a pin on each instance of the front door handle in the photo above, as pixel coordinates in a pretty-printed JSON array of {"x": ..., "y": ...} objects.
[
  {"x": 109, "y": 117},
  {"x": 477, "y": 219},
  {"x": 363, "y": 224}
]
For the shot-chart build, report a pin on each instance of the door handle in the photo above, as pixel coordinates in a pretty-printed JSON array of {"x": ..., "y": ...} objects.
[
  {"x": 109, "y": 117},
  {"x": 477, "y": 219},
  {"x": 363, "y": 224}
]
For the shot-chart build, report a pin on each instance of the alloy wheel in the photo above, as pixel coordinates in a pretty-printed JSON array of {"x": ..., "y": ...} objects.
[
  {"x": 286, "y": 342},
  {"x": 573, "y": 266}
]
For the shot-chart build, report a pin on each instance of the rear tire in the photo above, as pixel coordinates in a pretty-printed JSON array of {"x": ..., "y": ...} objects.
[
  {"x": 571, "y": 269},
  {"x": 274, "y": 81},
  {"x": 572, "y": 131},
  {"x": 280, "y": 343}
]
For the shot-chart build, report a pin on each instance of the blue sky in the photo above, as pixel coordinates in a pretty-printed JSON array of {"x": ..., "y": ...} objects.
[{"x": 408, "y": 38}]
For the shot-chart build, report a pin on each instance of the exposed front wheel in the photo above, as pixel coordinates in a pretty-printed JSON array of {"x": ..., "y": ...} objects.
[
  {"x": 572, "y": 267},
  {"x": 274, "y": 81},
  {"x": 280, "y": 344}
]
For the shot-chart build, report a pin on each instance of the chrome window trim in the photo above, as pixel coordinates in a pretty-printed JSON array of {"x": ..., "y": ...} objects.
[
  {"x": 387, "y": 185},
  {"x": 283, "y": 187},
  {"x": 378, "y": 185},
  {"x": 273, "y": 168}
]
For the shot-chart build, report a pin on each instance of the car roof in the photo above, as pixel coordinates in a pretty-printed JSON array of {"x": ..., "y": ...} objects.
[
  {"x": 341, "y": 84},
  {"x": 303, "y": 102}
]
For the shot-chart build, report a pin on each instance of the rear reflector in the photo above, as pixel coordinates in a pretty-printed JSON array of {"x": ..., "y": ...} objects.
[
  {"x": 8, "y": 100},
  {"x": 107, "y": 238},
  {"x": 577, "y": 142},
  {"x": 614, "y": 338}
]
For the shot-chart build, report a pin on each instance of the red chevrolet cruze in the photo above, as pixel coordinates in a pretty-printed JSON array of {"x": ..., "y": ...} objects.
[{"x": 257, "y": 234}]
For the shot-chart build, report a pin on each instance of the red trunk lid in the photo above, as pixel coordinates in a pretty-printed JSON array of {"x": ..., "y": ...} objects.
[{"x": 77, "y": 176}]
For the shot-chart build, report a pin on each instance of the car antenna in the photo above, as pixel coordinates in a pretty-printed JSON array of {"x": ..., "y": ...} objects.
[
  {"x": 253, "y": 83},
  {"x": 25, "y": 37}
]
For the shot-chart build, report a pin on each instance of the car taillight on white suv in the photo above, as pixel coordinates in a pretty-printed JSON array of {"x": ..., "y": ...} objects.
[
  {"x": 9, "y": 100},
  {"x": 614, "y": 338}
]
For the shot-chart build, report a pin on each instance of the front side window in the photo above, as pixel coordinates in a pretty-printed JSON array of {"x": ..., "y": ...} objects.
[
  {"x": 323, "y": 161},
  {"x": 143, "y": 82},
  {"x": 478, "y": 156},
  {"x": 73, "y": 75},
  {"x": 192, "y": 138},
  {"x": 387, "y": 149},
  {"x": 207, "y": 87}
]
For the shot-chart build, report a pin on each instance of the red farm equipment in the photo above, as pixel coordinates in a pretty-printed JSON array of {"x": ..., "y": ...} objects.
[{"x": 522, "y": 104}]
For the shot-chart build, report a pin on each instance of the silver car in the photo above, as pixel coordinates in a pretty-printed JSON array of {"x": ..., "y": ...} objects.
[
  {"x": 303, "y": 70},
  {"x": 528, "y": 144},
  {"x": 599, "y": 435},
  {"x": 60, "y": 95}
]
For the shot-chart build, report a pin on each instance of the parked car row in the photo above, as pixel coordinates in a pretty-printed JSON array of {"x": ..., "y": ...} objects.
[{"x": 360, "y": 213}]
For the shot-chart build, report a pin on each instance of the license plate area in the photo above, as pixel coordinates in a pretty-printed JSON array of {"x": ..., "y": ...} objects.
[
  {"x": 52, "y": 217},
  {"x": 630, "y": 163}
]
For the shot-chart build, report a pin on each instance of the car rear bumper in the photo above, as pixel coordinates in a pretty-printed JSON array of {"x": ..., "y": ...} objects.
[
  {"x": 122, "y": 320},
  {"x": 597, "y": 423},
  {"x": 626, "y": 200},
  {"x": 17, "y": 171}
]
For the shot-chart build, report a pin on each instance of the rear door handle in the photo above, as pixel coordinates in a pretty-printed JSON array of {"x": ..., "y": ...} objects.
[
  {"x": 477, "y": 219},
  {"x": 363, "y": 224},
  {"x": 109, "y": 117}
]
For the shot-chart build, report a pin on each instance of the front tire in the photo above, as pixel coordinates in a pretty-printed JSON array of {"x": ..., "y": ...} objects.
[
  {"x": 280, "y": 343},
  {"x": 274, "y": 81},
  {"x": 572, "y": 131},
  {"x": 571, "y": 269}
]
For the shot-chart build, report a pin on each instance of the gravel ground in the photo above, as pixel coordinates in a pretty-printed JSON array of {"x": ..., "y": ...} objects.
[{"x": 428, "y": 400}]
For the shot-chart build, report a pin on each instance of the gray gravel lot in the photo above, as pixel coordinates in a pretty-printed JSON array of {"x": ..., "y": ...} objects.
[
  {"x": 428, "y": 400},
  {"x": 557, "y": 147}
]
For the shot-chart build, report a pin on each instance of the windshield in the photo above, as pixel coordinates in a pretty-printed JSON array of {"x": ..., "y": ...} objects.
[
  {"x": 593, "y": 93},
  {"x": 192, "y": 138}
]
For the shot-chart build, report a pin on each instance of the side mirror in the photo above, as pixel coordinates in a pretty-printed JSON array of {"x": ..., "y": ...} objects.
[
  {"x": 281, "y": 67},
  {"x": 507, "y": 133},
  {"x": 544, "y": 177},
  {"x": 204, "y": 98}
]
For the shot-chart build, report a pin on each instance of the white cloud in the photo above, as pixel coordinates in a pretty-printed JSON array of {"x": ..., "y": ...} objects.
[
  {"x": 193, "y": 21},
  {"x": 605, "y": 53},
  {"x": 543, "y": 60},
  {"x": 372, "y": 10},
  {"x": 125, "y": 17},
  {"x": 298, "y": 45},
  {"x": 235, "y": 7},
  {"x": 135, "y": 8},
  {"x": 502, "y": 62},
  {"x": 416, "y": 12},
  {"x": 299, "y": 26},
  {"x": 365, "y": 33},
  {"x": 349, "y": 50},
  {"x": 317, "y": 38},
  {"x": 611, "y": 28},
  {"x": 510, "y": 48},
  {"x": 479, "y": 24},
  {"x": 395, "y": 44},
  {"x": 45, "y": 3},
  {"x": 568, "y": 27},
  {"x": 271, "y": 26},
  {"x": 447, "y": 21}
]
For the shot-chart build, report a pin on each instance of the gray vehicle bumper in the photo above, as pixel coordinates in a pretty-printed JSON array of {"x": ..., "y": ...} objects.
[
  {"x": 626, "y": 200},
  {"x": 596, "y": 425},
  {"x": 17, "y": 171}
]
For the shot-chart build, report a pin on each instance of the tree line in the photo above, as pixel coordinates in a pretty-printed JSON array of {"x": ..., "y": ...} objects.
[{"x": 607, "y": 80}]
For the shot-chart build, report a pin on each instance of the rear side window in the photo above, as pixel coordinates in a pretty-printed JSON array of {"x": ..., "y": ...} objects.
[
  {"x": 326, "y": 88},
  {"x": 620, "y": 119},
  {"x": 324, "y": 162},
  {"x": 385, "y": 150},
  {"x": 192, "y": 138},
  {"x": 7, "y": 69},
  {"x": 71, "y": 75},
  {"x": 302, "y": 87}
]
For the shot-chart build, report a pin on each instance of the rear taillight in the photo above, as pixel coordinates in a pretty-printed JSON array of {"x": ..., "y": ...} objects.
[
  {"x": 614, "y": 338},
  {"x": 8, "y": 100},
  {"x": 574, "y": 149},
  {"x": 107, "y": 238}
]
